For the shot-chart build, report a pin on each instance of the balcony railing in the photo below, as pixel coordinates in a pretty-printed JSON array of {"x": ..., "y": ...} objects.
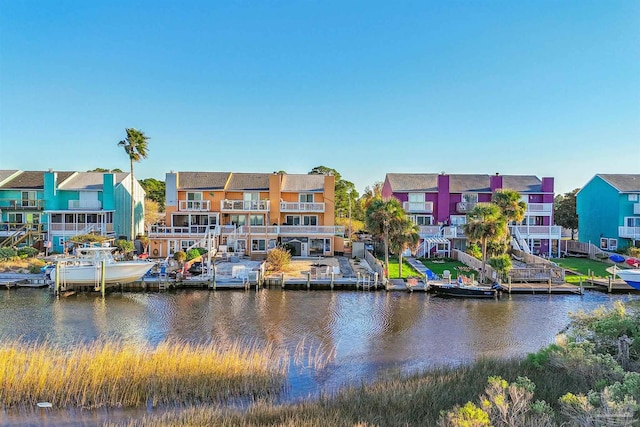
[
  {"x": 291, "y": 229},
  {"x": 425, "y": 207},
  {"x": 6, "y": 227},
  {"x": 244, "y": 205},
  {"x": 85, "y": 204},
  {"x": 301, "y": 207},
  {"x": 79, "y": 228},
  {"x": 429, "y": 230},
  {"x": 539, "y": 231},
  {"x": 542, "y": 209},
  {"x": 453, "y": 232},
  {"x": 21, "y": 204},
  {"x": 463, "y": 207},
  {"x": 194, "y": 205},
  {"x": 188, "y": 230},
  {"x": 629, "y": 232}
]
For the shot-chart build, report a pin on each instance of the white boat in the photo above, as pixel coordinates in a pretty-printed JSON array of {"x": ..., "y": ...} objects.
[
  {"x": 631, "y": 277},
  {"x": 86, "y": 268}
]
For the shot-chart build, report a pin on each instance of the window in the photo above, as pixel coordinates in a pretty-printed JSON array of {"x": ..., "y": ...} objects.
[
  {"x": 56, "y": 218},
  {"x": 69, "y": 218},
  {"x": 458, "y": 219},
  {"x": 470, "y": 197},
  {"x": 416, "y": 202},
  {"x": 251, "y": 197},
  {"x": 608, "y": 244},
  {"x": 632, "y": 221},
  {"x": 257, "y": 219},
  {"x": 15, "y": 217},
  {"x": 292, "y": 220},
  {"x": 28, "y": 199},
  {"x": 633, "y": 197},
  {"x": 186, "y": 244},
  {"x": 306, "y": 197},
  {"x": 423, "y": 219},
  {"x": 309, "y": 220},
  {"x": 238, "y": 220},
  {"x": 194, "y": 196},
  {"x": 258, "y": 245},
  {"x": 92, "y": 218}
]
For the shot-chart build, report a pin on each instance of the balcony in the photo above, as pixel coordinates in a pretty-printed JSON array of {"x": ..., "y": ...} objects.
[
  {"x": 453, "y": 232},
  {"x": 629, "y": 232},
  {"x": 244, "y": 205},
  {"x": 72, "y": 228},
  {"x": 539, "y": 209},
  {"x": 429, "y": 230},
  {"x": 539, "y": 231},
  {"x": 320, "y": 230},
  {"x": 423, "y": 207},
  {"x": 85, "y": 205},
  {"x": 185, "y": 231},
  {"x": 21, "y": 204},
  {"x": 301, "y": 207},
  {"x": 464, "y": 207},
  {"x": 194, "y": 205}
]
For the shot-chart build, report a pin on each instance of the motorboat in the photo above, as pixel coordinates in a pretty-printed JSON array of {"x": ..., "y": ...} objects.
[
  {"x": 86, "y": 267},
  {"x": 463, "y": 288},
  {"x": 630, "y": 276}
]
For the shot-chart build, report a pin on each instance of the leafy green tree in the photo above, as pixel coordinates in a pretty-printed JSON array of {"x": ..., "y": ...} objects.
[
  {"x": 501, "y": 263},
  {"x": 564, "y": 211},
  {"x": 135, "y": 145},
  {"x": 404, "y": 234},
  {"x": 105, "y": 170},
  {"x": 511, "y": 205},
  {"x": 370, "y": 194},
  {"x": 345, "y": 191},
  {"x": 382, "y": 219},
  {"x": 485, "y": 223},
  {"x": 155, "y": 190}
]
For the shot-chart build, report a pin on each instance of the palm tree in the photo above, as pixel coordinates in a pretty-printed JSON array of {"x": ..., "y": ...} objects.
[
  {"x": 135, "y": 145},
  {"x": 381, "y": 219},
  {"x": 404, "y": 234},
  {"x": 510, "y": 203},
  {"x": 485, "y": 223}
]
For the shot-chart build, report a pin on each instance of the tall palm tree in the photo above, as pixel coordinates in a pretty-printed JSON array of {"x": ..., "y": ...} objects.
[
  {"x": 510, "y": 203},
  {"x": 381, "y": 219},
  {"x": 485, "y": 223},
  {"x": 135, "y": 145},
  {"x": 404, "y": 234}
]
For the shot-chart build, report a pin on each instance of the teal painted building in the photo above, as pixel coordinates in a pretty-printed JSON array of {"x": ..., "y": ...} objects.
[
  {"x": 608, "y": 208},
  {"x": 91, "y": 202}
]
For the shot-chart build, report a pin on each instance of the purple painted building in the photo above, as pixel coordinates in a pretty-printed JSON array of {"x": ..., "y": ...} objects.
[{"x": 438, "y": 204}]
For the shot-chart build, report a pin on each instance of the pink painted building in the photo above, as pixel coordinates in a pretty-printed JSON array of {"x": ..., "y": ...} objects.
[{"x": 438, "y": 204}]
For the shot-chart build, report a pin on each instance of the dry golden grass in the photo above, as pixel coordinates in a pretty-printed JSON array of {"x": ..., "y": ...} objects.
[
  {"x": 109, "y": 374},
  {"x": 21, "y": 265}
]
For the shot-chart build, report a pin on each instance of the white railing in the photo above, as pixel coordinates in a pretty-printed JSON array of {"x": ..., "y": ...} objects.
[
  {"x": 463, "y": 207},
  {"x": 522, "y": 243},
  {"x": 288, "y": 230},
  {"x": 453, "y": 232},
  {"x": 539, "y": 231},
  {"x": 629, "y": 232},
  {"x": 21, "y": 203},
  {"x": 244, "y": 205},
  {"x": 194, "y": 205},
  {"x": 426, "y": 207},
  {"x": 79, "y": 228},
  {"x": 544, "y": 209},
  {"x": 429, "y": 230},
  {"x": 85, "y": 204},
  {"x": 301, "y": 207},
  {"x": 189, "y": 230},
  {"x": 636, "y": 208}
]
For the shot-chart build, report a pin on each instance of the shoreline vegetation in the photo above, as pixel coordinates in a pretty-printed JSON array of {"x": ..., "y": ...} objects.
[
  {"x": 114, "y": 374},
  {"x": 590, "y": 377}
]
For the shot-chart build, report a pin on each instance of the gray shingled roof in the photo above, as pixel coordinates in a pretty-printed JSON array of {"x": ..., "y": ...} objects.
[
  {"x": 202, "y": 180},
  {"x": 625, "y": 183},
  {"x": 248, "y": 181},
  {"x": 4, "y": 174},
  {"x": 469, "y": 183},
  {"x": 298, "y": 183},
  {"x": 400, "y": 182},
  {"x": 32, "y": 180},
  {"x": 522, "y": 183},
  {"x": 89, "y": 181}
]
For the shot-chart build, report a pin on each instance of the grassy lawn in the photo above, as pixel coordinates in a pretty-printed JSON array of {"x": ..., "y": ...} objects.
[
  {"x": 583, "y": 265},
  {"x": 407, "y": 270},
  {"x": 440, "y": 265}
]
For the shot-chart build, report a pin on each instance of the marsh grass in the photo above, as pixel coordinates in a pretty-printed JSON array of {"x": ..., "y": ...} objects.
[
  {"x": 108, "y": 374},
  {"x": 23, "y": 265},
  {"x": 399, "y": 400}
]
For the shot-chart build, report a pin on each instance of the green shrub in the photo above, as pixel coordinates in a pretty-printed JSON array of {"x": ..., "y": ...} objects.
[
  {"x": 192, "y": 254},
  {"x": 7, "y": 253},
  {"x": 125, "y": 246},
  {"x": 474, "y": 250},
  {"x": 501, "y": 263},
  {"x": 27, "y": 252}
]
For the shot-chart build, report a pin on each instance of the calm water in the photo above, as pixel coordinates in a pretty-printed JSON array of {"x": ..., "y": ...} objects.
[{"x": 361, "y": 334}]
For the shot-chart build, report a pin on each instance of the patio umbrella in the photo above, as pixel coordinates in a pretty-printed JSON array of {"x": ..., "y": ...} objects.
[{"x": 616, "y": 258}]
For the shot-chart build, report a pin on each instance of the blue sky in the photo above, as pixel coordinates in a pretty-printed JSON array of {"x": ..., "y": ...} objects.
[{"x": 548, "y": 88}]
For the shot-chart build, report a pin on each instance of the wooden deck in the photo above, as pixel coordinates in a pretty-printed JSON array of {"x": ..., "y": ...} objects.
[{"x": 540, "y": 288}]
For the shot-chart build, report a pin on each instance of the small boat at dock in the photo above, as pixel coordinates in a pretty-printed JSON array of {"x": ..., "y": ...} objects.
[
  {"x": 463, "y": 288},
  {"x": 87, "y": 268},
  {"x": 630, "y": 276}
]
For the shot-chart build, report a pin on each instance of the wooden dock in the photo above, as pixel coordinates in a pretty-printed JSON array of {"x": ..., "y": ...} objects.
[{"x": 540, "y": 288}]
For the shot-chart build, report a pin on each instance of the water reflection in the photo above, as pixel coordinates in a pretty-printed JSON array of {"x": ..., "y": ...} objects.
[{"x": 336, "y": 337}]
